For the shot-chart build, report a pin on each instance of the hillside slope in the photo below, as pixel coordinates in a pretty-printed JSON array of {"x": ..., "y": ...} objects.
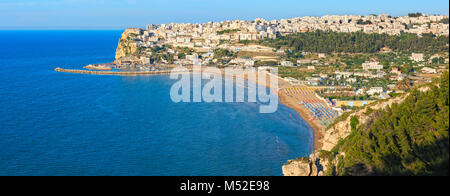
[
  {"x": 410, "y": 138},
  {"x": 407, "y": 135}
]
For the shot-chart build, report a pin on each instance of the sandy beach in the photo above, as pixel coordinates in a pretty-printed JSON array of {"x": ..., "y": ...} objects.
[{"x": 306, "y": 116}]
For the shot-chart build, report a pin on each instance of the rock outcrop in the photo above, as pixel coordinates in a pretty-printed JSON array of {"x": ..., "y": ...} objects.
[
  {"x": 97, "y": 67},
  {"x": 315, "y": 165},
  {"x": 298, "y": 167},
  {"x": 127, "y": 46}
]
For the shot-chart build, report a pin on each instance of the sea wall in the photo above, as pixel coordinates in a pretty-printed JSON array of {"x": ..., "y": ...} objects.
[{"x": 131, "y": 73}]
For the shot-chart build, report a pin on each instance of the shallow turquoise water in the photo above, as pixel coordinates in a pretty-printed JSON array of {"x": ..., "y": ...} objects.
[{"x": 67, "y": 124}]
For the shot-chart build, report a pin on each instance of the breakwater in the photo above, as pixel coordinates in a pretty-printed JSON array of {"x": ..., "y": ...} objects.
[{"x": 132, "y": 73}]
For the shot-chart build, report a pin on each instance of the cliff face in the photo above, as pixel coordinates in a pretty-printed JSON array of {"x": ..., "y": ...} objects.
[
  {"x": 315, "y": 165},
  {"x": 297, "y": 168},
  {"x": 127, "y": 46}
]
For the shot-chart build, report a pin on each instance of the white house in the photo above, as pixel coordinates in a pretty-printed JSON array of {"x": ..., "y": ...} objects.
[
  {"x": 375, "y": 90},
  {"x": 428, "y": 70},
  {"x": 287, "y": 64},
  {"x": 192, "y": 57},
  {"x": 417, "y": 57},
  {"x": 292, "y": 80},
  {"x": 360, "y": 91},
  {"x": 372, "y": 65},
  {"x": 145, "y": 60},
  {"x": 351, "y": 80},
  {"x": 243, "y": 61},
  {"x": 304, "y": 61}
]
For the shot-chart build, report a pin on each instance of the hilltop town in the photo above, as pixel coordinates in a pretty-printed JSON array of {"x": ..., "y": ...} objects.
[
  {"x": 327, "y": 67},
  {"x": 207, "y": 37},
  {"x": 346, "y": 61},
  {"x": 342, "y": 74}
]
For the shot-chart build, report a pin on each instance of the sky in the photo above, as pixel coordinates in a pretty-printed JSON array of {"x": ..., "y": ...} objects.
[{"x": 120, "y": 14}]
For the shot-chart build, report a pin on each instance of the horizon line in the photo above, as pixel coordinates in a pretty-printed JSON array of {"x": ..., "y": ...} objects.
[
  {"x": 63, "y": 29},
  {"x": 28, "y": 28}
]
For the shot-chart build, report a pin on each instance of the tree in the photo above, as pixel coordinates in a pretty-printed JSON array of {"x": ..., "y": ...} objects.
[
  {"x": 409, "y": 138},
  {"x": 354, "y": 123},
  {"x": 362, "y": 22},
  {"x": 438, "y": 60},
  {"x": 418, "y": 14},
  {"x": 221, "y": 53},
  {"x": 358, "y": 42}
]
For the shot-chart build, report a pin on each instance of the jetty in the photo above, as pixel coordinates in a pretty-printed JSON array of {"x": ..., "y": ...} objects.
[{"x": 122, "y": 73}]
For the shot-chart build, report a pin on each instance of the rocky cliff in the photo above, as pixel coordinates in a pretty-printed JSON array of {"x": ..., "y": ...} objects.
[
  {"x": 127, "y": 45},
  {"x": 317, "y": 164},
  {"x": 298, "y": 167}
]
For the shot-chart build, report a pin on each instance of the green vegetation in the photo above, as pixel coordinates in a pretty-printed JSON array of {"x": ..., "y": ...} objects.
[
  {"x": 445, "y": 21},
  {"x": 369, "y": 111},
  {"x": 438, "y": 60},
  {"x": 354, "y": 123},
  {"x": 395, "y": 94},
  {"x": 338, "y": 119},
  {"x": 159, "y": 54},
  {"x": 345, "y": 107},
  {"x": 223, "y": 42},
  {"x": 224, "y": 56},
  {"x": 358, "y": 42},
  {"x": 349, "y": 98},
  {"x": 362, "y": 22},
  {"x": 265, "y": 63},
  {"x": 228, "y": 31},
  {"x": 245, "y": 42},
  {"x": 405, "y": 84},
  {"x": 182, "y": 52},
  {"x": 410, "y": 138},
  {"x": 293, "y": 72},
  {"x": 158, "y": 49},
  {"x": 223, "y": 53},
  {"x": 418, "y": 14}
]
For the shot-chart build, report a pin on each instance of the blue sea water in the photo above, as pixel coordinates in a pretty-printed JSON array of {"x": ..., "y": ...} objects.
[{"x": 69, "y": 124}]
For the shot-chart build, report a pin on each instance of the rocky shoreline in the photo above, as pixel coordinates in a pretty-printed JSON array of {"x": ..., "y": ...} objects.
[{"x": 97, "y": 67}]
